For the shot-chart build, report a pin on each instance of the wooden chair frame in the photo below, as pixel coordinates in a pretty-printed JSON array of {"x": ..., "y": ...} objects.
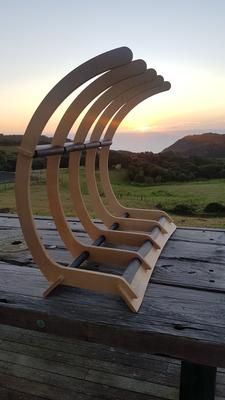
[
  {"x": 144, "y": 91},
  {"x": 121, "y": 81}
]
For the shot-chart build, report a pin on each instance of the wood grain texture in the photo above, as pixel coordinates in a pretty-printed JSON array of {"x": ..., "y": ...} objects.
[
  {"x": 112, "y": 63},
  {"x": 36, "y": 365},
  {"x": 183, "y": 314},
  {"x": 109, "y": 70}
]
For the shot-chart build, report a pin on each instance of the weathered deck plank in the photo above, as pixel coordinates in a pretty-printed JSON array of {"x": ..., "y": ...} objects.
[
  {"x": 183, "y": 316},
  {"x": 182, "y": 263},
  {"x": 171, "y": 320},
  {"x": 102, "y": 374},
  {"x": 36, "y": 364}
]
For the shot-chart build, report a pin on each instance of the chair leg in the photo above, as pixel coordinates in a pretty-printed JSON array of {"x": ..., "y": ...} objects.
[{"x": 197, "y": 382}]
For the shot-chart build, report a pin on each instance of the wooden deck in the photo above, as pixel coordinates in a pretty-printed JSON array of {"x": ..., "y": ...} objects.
[
  {"x": 38, "y": 366},
  {"x": 182, "y": 316},
  {"x": 50, "y": 367}
]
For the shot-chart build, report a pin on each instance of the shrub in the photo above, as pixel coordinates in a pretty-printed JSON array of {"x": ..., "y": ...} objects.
[
  {"x": 215, "y": 208},
  {"x": 184, "y": 209}
]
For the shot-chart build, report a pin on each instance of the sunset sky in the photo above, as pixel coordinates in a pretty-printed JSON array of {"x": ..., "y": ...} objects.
[{"x": 41, "y": 41}]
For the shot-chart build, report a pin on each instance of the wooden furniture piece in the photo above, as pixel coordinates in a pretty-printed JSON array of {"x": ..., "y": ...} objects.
[
  {"x": 140, "y": 234},
  {"x": 183, "y": 315}
]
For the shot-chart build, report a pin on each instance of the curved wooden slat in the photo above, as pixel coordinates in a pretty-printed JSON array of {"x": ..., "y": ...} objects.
[
  {"x": 130, "y": 238},
  {"x": 156, "y": 86},
  {"x": 65, "y": 87},
  {"x": 66, "y": 123},
  {"x": 121, "y": 81},
  {"x": 103, "y": 161},
  {"x": 82, "y": 131}
]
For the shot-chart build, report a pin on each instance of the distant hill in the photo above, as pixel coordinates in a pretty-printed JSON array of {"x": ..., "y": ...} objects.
[
  {"x": 188, "y": 159},
  {"x": 204, "y": 145},
  {"x": 15, "y": 140}
]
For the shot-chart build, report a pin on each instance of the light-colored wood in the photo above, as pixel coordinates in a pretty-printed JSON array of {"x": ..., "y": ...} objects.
[
  {"x": 125, "y": 80},
  {"x": 65, "y": 87},
  {"x": 66, "y": 123},
  {"x": 74, "y": 162},
  {"x": 108, "y": 218},
  {"x": 53, "y": 286},
  {"x": 103, "y": 161},
  {"x": 81, "y": 134}
]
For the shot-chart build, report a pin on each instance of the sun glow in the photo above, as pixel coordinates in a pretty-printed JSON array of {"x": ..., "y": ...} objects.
[
  {"x": 144, "y": 129},
  {"x": 191, "y": 105}
]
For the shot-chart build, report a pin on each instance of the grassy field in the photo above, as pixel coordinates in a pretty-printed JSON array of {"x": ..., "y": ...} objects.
[{"x": 164, "y": 196}]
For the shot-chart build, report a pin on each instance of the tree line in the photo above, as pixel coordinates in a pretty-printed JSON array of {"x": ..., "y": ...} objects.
[
  {"x": 150, "y": 168},
  {"x": 143, "y": 168}
]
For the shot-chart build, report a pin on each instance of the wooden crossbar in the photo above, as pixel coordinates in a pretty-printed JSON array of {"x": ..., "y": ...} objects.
[
  {"x": 97, "y": 242},
  {"x": 120, "y": 86}
]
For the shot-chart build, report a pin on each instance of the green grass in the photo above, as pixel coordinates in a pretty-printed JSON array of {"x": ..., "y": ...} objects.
[{"x": 165, "y": 196}]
